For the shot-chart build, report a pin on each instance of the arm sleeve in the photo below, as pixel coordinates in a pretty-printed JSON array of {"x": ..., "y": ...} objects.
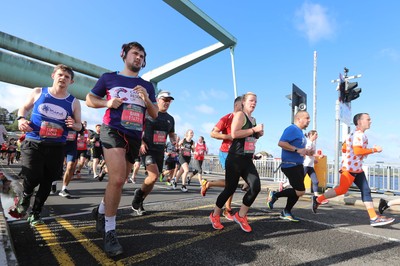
[{"x": 358, "y": 150}]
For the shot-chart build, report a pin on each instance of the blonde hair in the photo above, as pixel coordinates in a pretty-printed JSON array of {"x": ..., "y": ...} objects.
[{"x": 247, "y": 94}]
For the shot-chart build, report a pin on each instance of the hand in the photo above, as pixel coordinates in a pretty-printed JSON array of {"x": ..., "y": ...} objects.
[
  {"x": 114, "y": 103},
  {"x": 143, "y": 149},
  {"x": 377, "y": 148},
  {"x": 23, "y": 125},
  {"x": 142, "y": 92},
  {"x": 69, "y": 122}
]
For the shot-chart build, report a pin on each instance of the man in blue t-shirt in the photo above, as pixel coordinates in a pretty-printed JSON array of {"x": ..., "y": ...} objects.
[
  {"x": 293, "y": 143},
  {"x": 127, "y": 97}
]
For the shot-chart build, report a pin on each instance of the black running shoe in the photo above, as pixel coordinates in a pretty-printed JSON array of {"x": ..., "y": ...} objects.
[
  {"x": 100, "y": 220},
  {"x": 53, "y": 189},
  {"x": 382, "y": 205},
  {"x": 111, "y": 244},
  {"x": 137, "y": 202},
  {"x": 314, "y": 204}
]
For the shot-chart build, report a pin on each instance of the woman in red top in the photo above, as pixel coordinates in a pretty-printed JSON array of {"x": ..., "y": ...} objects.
[{"x": 199, "y": 152}]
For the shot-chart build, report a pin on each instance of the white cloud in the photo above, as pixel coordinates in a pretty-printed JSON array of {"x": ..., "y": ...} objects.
[
  {"x": 314, "y": 22},
  {"x": 205, "y": 109}
]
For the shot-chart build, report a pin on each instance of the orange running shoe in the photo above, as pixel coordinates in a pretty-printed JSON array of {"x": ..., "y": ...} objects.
[
  {"x": 204, "y": 188},
  {"x": 216, "y": 222},
  {"x": 228, "y": 214},
  {"x": 242, "y": 221}
]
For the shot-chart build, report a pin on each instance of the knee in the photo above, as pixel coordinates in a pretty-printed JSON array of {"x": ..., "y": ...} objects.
[
  {"x": 340, "y": 190},
  {"x": 300, "y": 193}
]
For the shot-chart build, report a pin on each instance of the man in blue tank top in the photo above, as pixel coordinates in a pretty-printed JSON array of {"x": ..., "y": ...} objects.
[{"x": 54, "y": 113}]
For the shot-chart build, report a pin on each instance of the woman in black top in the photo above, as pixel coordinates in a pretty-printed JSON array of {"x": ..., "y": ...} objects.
[{"x": 239, "y": 163}]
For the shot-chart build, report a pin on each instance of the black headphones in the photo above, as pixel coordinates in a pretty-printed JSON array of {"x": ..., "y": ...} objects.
[{"x": 127, "y": 46}]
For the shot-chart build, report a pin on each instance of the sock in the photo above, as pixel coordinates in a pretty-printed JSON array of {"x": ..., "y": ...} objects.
[
  {"x": 321, "y": 198},
  {"x": 64, "y": 187},
  {"x": 102, "y": 207},
  {"x": 388, "y": 204},
  {"x": 372, "y": 214},
  {"x": 110, "y": 223}
]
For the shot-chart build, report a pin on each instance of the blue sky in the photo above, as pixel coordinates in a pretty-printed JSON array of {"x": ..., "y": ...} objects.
[{"x": 276, "y": 43}]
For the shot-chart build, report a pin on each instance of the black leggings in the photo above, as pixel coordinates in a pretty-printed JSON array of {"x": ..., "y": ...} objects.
[
  {"x": 237, "y": 166},
  {"x": 41, "y": 164},
  {"x": 295, "y": 175}
]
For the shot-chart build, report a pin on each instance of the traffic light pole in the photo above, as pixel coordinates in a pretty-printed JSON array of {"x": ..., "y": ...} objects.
[{"x": 337, "y": 122}]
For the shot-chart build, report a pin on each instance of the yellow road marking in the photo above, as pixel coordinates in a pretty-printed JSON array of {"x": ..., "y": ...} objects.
[
  {"x": 97, "y": 253},
  {"x": 60, "y": 254}
]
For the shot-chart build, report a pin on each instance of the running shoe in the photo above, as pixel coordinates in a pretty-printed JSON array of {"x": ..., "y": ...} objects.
[
  {"x": 314, "y": 204},
  {"x": 102, "y": 175},
  {"x": 161, "y": 177},
  {"x": 137, "y": 202},
  {"x": 382, "y": 205},
  {"x": 168, "y": 183},
  {"x": 216, "y": 222},
  {"x": 111, "y": 244},
  {"x": 132, "y": 180},
  {"x": 285, "y": 215},
  {"x": 96, "y": 177},
  {"x": 53, "y": 189},
  {"x": 34, "y": 219},
  {"x": 184, "y": 189},
  {"x": 325, "y": 201},
  {"x": 138, "y": 208},
  {"x": 242, "y": 221},
  {"x": 381, "y": 220},
  {"x": 204, "y": 188},
  {"x": 271, "y": 199},
  {"x": 188, "y": 180},
  {"x": 174, "y": 185},
  {"x": 228, "y": 214},
  {"x": 64, "y": 193},
  {"x": 100, "y": 220}
]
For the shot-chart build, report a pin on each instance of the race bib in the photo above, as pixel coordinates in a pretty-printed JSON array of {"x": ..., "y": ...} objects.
[
  {"x": 249, "y": 145},
  {"x": 132, "y": 117},
  {"x": 159, "y": 137},
  {"x": 186, "y": 153},
  {"x": 50, "y": 130},
  {"x": 97, "y": 144},
  {"x": 71, "y": 135}
]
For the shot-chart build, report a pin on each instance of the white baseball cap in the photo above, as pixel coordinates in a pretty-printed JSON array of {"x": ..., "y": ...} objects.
[{"x": 164, "y": 94}]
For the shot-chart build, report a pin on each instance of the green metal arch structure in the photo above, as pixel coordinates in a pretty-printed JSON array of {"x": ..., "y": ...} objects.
[{"x": 29, "y": 65}]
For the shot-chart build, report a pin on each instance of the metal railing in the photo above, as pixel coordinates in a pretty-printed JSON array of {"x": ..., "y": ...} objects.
[{"x": 381, "y": 178}]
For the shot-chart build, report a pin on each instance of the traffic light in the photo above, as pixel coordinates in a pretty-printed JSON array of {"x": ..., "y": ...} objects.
[
  {"x": 349, "y": 91},
  {"x": 299, "y": 100}
]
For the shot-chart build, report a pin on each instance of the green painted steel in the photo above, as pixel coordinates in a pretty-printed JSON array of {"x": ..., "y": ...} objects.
[
  {"x": 26, "y": 72},
  {"x": 29, "y": 49}
]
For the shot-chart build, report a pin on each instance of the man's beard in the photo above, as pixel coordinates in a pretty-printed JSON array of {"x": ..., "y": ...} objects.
[{"x": 135, "y": 69}]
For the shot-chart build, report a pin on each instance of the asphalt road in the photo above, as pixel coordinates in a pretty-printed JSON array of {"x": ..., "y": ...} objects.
[{"x": 177, "y": 231}]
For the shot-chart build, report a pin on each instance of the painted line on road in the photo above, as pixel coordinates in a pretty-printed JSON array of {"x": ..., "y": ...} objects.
[
  {"x": 59, "y": 253},
  {"x": 97, "y": 253}
]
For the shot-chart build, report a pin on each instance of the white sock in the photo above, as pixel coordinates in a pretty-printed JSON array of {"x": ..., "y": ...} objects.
[
  {"x": 102, "y": 207},
  {"x": 64, "y": 187},
  {"x": 110, "y": 223}
]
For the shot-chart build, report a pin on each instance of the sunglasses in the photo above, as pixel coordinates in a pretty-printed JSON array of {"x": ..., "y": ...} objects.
[{"x": 167, "y": 100}]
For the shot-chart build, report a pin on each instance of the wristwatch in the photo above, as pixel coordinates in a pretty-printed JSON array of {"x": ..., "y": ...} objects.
[{"x": 20, "y": 117}]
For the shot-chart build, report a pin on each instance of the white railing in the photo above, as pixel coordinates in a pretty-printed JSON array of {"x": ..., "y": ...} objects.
[{"x": 381, "y": 178}]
